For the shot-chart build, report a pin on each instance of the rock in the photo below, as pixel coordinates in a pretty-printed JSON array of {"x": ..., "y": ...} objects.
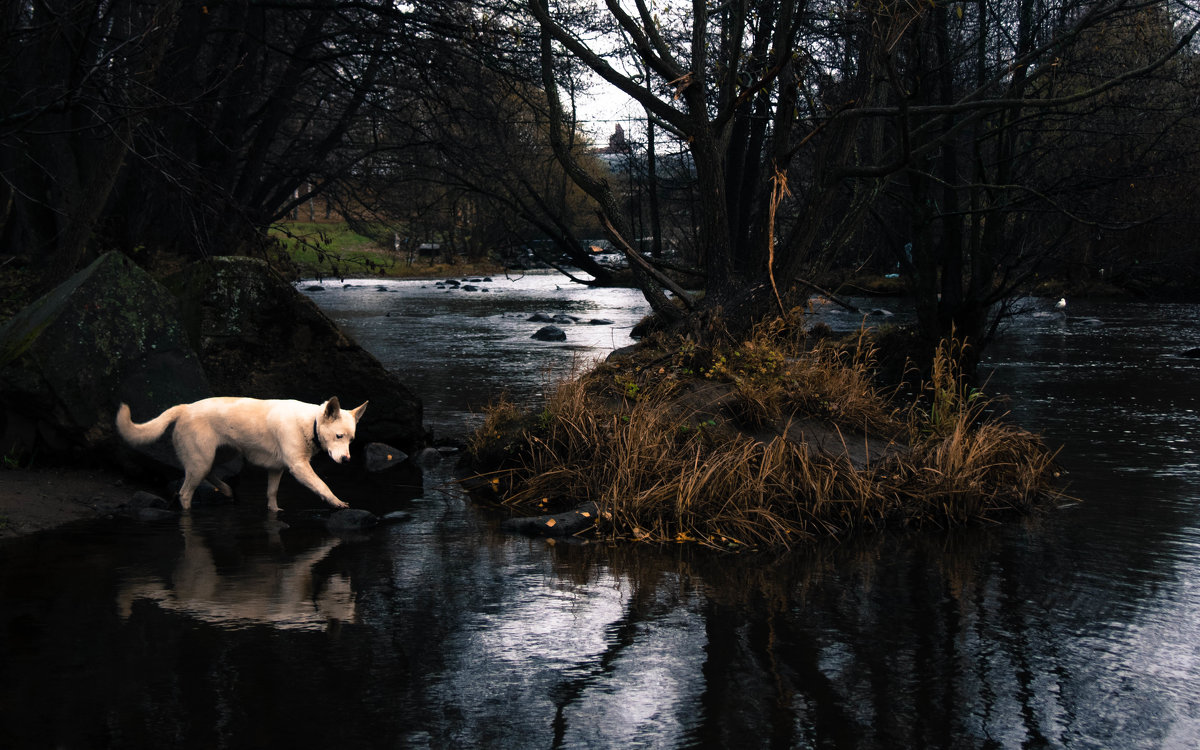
[
  {"x": 257, "y": 336},
  {"x": 307, "y": 518},
  {"x": 351, "y": 519},
  {"x": 600, "y": 322},
  {"x": 152, "y": 515},
  {"x": 550, "y": 333},
  {"x": 469, "y": 288},
  {"x": 142, "y": 499},
  {"x": 561, "y": 524},
  {"x": 428, "y": 457},
  {"x": 540, "y": 318},
  {"x": 380, "y": 456},
  {"x": 396, "y": 516},
  {"x": 565, "y": 320},
  {"x": 110, "y": 333},
  {"x": 1191, "y": 353}
]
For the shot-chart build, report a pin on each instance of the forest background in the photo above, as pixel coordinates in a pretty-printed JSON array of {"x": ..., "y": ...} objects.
[{"x": 974, "y": 148}]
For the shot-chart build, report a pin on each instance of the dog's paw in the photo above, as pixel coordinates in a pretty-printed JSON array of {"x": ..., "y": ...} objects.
[{"x": 339, "y": 504}]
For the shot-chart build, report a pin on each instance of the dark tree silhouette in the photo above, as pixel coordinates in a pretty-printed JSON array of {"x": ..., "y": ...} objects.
[{"x": 802, "y": 118}]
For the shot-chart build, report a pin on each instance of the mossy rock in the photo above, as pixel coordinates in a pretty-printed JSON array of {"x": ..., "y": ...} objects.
[
  {"x": 110, "y": 333},
  {"x": 258, "y": 336}
]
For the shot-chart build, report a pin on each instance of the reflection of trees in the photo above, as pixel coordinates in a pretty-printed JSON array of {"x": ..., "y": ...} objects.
[
  {"x": 465, "y": 636},
  {"x": 930, "y": 640}
]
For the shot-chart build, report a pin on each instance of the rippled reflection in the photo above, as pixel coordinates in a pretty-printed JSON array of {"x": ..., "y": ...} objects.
[{"x": 278, "y": 589}]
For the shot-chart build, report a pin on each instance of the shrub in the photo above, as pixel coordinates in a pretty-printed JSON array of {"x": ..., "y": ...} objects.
[{"x": 712, "y": 445}]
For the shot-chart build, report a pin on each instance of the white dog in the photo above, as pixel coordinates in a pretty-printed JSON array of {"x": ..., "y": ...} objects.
[{"x": 275, "y": 435}]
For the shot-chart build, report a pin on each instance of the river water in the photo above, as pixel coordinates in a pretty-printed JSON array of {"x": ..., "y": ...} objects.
[{"x": 1076, "y": 629}]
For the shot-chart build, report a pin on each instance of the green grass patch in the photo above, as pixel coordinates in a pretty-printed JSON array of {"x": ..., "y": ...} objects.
[
  {"x": 321, "y": 250},
  {"x": 332, "y": 249}
]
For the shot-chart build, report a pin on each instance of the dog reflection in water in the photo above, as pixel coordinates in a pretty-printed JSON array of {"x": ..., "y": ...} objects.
[{"x": 264, "y": 591}]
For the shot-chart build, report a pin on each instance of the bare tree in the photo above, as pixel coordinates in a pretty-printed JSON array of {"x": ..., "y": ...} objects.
[
  {"x": 851, "y": 107},
  {"x": 77, "y": 85}
]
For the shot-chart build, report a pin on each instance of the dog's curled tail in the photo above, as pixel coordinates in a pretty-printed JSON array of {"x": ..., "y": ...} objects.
[{"x": 146, "y": 432}]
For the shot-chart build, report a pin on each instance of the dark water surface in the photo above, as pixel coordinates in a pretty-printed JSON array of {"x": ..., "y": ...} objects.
[{"x": 1079, "y": 629}]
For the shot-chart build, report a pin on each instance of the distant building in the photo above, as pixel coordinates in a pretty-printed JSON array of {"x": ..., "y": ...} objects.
[{"x": 616, "y": 143}]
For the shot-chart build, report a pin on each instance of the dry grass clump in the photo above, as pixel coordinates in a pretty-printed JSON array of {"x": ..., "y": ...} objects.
[
  {"x": 968, "y": 465},
  {"x": 690, "y": 444}
]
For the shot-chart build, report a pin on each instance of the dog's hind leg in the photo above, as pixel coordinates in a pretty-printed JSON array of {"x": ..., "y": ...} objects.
[
  {"x": 196, "y": 450},
  {"x": 273, "y": 477},
  {"x": 191, "y": 481}
]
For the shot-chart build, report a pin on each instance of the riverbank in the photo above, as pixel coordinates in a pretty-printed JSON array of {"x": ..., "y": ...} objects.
[{"x": 33, "y": 500}]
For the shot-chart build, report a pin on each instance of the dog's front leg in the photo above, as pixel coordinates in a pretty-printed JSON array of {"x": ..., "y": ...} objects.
[
  {"x": 307, "y": 477},
  {"x": 273, "y": 477}
]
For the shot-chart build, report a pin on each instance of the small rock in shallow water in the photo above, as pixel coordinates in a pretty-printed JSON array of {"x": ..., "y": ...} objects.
[
  {"x": 380, "y": 456},
  {"x": 427, "y": 457},
  {"x": 550, "y": 333},
  {"x": 143, "y": 499},
  {"x": 152, "y": 515},
  {"x": 351, "y": 519}
]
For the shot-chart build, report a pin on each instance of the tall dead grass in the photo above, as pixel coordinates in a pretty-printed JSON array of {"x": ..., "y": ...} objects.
[{"x": 671, "y": 447}]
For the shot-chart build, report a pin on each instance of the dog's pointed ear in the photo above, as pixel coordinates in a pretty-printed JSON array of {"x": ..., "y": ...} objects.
[
  {"x": 332, "y": 407},
  {"x": 358, "y": 413}
]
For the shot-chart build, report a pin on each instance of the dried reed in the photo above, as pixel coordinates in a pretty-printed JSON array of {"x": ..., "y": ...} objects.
[{"x": 671, "y": 447}]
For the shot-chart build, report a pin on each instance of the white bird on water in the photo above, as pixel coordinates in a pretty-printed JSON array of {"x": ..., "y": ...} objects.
[{"x": 1062, "y": 304}]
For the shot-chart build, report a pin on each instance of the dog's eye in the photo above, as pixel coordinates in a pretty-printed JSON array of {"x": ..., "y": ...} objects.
[{"x": 340, "y": 436}]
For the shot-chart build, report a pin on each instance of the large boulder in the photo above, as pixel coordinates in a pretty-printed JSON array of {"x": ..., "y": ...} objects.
[
  {"x": 108, "y": 334},
  {"x": 258, "y": 336},
  {"x": 228, "y": 326}
]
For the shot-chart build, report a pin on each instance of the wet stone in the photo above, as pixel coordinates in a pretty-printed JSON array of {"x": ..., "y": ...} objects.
[
  {"x": 550, "y": 333},
  {"x": 352, "y": 519}
]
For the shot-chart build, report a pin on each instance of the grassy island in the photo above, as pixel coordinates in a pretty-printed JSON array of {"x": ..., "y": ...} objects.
[{"x": 765, "y": 443}]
